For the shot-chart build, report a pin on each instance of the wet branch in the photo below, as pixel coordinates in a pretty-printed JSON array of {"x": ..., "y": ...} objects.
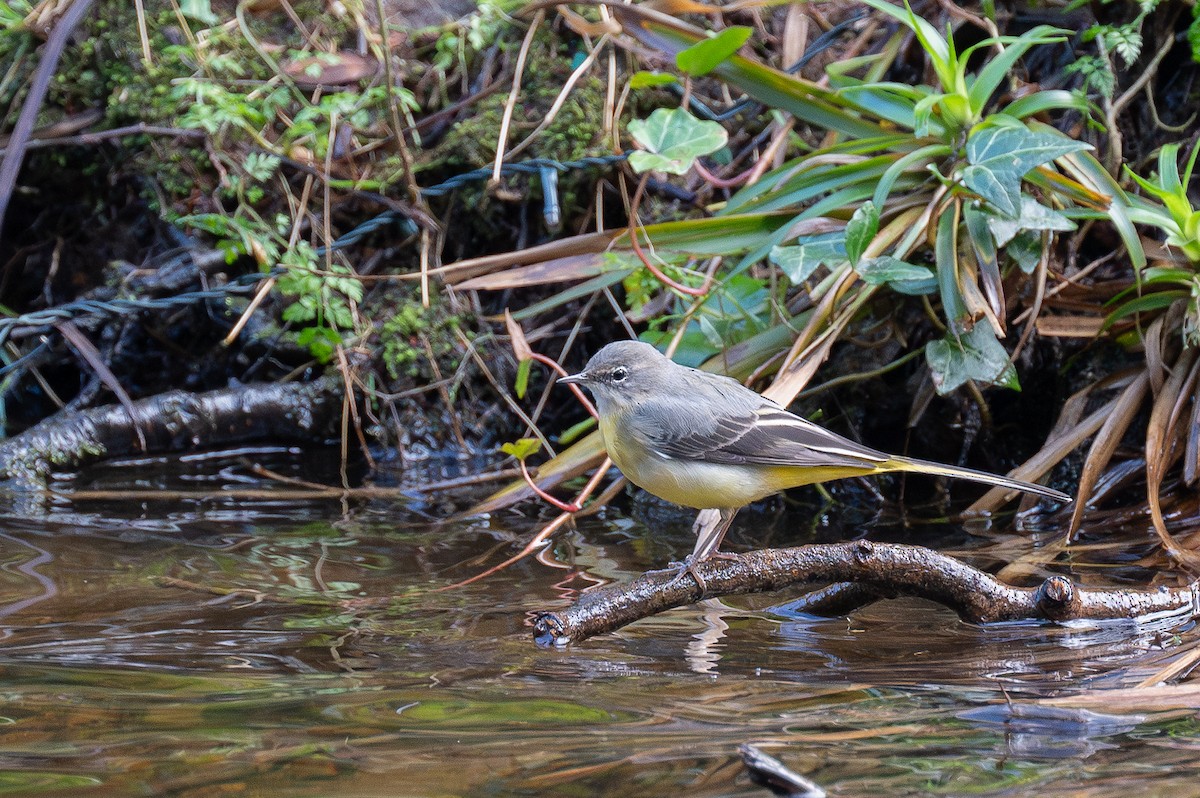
[
  {"x": 174, "y": 421},
  {"x": 873, "y": 571}
]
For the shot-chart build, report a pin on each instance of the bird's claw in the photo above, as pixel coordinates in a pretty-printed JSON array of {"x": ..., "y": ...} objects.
[
  {"x": 680, "y": 569},
  {"x": 688, "y": 568}
]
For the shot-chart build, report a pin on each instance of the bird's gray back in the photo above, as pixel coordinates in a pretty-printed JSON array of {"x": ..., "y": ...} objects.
[{"x": 712, "y": 418}]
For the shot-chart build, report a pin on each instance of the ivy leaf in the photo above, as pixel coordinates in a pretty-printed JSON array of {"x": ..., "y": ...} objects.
[
  {"x": 706, "y": 55},
  {"x": 997, "y": 192},
  {"x": 522, "y": 448},
  {"x": 1033, "y": 216},
  {"x": 974, "y": 355},
  {"x": 673, "y": 140},
  {"x": 800, "y": 261},
  {"x": 1001, "y": 151},
  {"x": 860, "y": 230},
  {"x": 906, "y": 278}
]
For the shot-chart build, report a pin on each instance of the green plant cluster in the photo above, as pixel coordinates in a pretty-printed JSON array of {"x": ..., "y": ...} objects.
[
  {"x": 988, "y": 183},
  {"x": 1119, "y": 45}
]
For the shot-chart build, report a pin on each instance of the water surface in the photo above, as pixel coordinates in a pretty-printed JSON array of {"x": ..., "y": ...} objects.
[{"x": 284, "y": 647}]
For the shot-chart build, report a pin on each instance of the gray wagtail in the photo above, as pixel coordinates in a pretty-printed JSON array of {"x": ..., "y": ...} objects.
[{"x": 706, "y": 441}]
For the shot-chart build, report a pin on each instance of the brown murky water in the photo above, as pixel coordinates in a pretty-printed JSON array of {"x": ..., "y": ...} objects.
[{"x": 114, "y": 682}]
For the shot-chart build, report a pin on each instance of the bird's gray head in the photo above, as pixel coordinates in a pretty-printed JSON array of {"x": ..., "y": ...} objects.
[{"x": 622, "y": 373}]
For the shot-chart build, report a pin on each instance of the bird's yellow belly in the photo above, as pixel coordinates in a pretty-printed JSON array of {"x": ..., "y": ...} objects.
[{"x": 699, "y": 485}]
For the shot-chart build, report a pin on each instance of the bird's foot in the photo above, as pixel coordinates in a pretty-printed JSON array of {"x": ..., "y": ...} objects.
[
  {"x": 688, "y": 568},
  {"x": 680, "y": 569}
]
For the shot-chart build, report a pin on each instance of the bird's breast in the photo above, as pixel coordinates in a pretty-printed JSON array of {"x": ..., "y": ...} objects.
[{"x": 691, "y": 483}]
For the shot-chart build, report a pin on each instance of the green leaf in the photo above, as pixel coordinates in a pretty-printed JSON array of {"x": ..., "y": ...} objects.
[
  {"x": 711, "y": 333},
  {"x": 320, "y": 342},
  {"x": 806, "y": 100},
  {"x": 1026, "y": 250},
  {"x": 975, "y": 355},
  {"x": 299, "y": 312},
  {"x": 1001, "y": 194},
  {"x": 199, "y": 10},
  {"x": 1033, "y": 216},
  {"x": 1006, "y": 140},
  {"x": 906, "y": 278},
  {"x": 937, "y": 48},
  {"x": 1166, "y": 274},
  {"x": 1193, "y": 33},
  {"x": 705, "y": 56},
  {"x": 521, "y": 385},
  {"x": 1049, "y": 100},
  {"x": 1092, "y": 175},
  {"x": 573, "y": 432},
  {"x": 1002, "y": 151},
  {"x": 645, "y": 80},
  {"x": 673, "y": 140},
  {"x": 861, "y": 228},
  {"x": 997, "y": 70},
  {"x": 917, "y": 161},
  {"x": 983, "y": 242},
  {"x": 1145, "y": 304},
  {"x": 945, "y": 250},
  {"x": 800, "y": 261},
  {"x": 522, "y": 448},
  {"x": 1124, "y": 40}
]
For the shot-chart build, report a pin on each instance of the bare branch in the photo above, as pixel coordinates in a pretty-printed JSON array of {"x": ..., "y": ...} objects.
[{"x": 876, "y": 570}]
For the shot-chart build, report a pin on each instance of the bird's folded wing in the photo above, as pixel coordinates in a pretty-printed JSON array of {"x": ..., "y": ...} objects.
[{"x": 766, "y": 435}]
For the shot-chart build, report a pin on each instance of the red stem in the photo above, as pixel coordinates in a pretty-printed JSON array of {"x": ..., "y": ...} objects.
[{"x": 637, "y": 250}]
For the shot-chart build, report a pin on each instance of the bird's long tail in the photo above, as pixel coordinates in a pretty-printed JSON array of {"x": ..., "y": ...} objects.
[{"x": 926, "y": 467}]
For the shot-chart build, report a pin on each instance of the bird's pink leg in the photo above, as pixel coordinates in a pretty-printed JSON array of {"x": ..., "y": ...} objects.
[{"x": 708, "y": 540}]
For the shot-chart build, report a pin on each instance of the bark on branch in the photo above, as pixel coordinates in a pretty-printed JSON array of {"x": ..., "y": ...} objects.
[
  {"x": 874, "y": 570},
  {"x": 174, "y": 421}
]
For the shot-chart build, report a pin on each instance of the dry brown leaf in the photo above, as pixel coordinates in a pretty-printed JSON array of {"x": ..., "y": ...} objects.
[
  {"x": 1163, "y": 698},
  {"x": 519, "y": 344},
  {"x": 1070, "y": 326},
  {"x": 1160, "y": 436},
  {"x": 1106, "y": 442},
  {"x": 559, "y": 270},
  {"x": 333, "y": 69},
  {"x": 581, "y": 26},
  {"x": 456, "y": 273}
]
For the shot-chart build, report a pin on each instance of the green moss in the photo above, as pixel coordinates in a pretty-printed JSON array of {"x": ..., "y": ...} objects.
[
  {"x": 406, "y": 332},
  {"x": 575, "y": 132}
]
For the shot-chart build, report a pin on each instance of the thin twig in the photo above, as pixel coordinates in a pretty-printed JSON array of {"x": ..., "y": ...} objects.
[{"x": 514, "y": 93}]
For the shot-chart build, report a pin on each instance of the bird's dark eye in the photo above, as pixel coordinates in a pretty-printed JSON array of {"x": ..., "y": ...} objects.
[{"x": 619, "y": 374}]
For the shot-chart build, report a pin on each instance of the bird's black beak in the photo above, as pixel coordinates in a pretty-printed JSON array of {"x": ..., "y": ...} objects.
[{"x": 574, "y": 379}]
